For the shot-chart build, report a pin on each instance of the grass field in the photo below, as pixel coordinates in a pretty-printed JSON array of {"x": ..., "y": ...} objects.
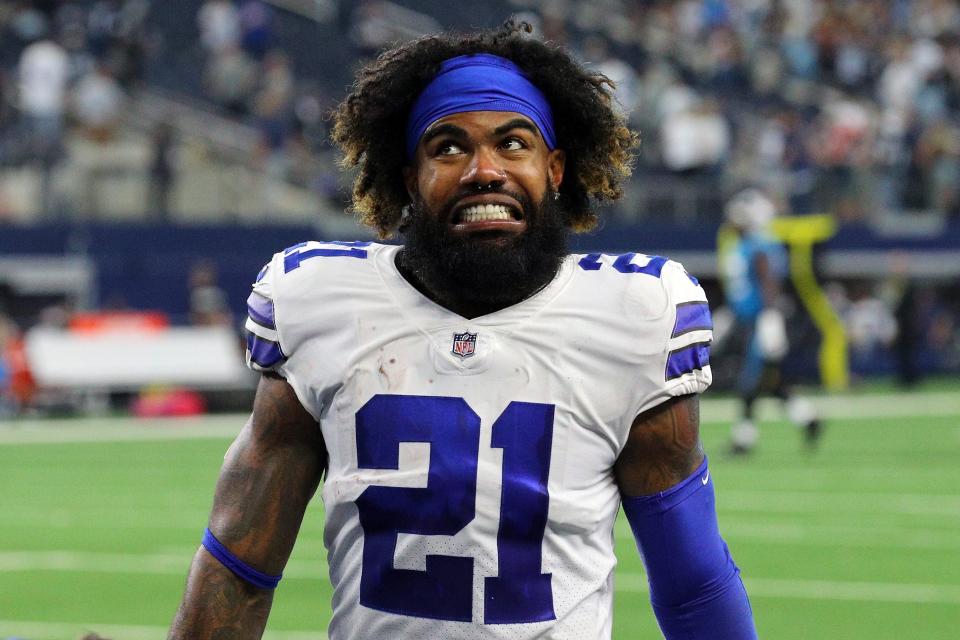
[{"x": 858, "y": 541}]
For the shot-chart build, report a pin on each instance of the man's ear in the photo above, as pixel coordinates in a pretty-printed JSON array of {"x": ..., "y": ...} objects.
[
  {"x": 410, "y": 181},
  {"x": 556, "y": 161}
]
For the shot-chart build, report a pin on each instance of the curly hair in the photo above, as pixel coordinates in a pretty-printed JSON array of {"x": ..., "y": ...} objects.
[{"x": 370, "y": 123}]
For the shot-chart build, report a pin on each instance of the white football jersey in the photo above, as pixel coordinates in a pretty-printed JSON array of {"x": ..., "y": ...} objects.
[{"x": 470, "y": 490}]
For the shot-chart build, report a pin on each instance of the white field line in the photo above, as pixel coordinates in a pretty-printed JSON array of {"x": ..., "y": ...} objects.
[
  {"x": 61, "y": 630},
  {"x": 844, "y": 406},
  {"x": 794, "y": 535},
  {"x": 941, "y": 506},
  {"x": 145, "y": 564},
  {"x": 121, "y": 429},
  {"x": 631, "y": 582},
  {"x": 787, "y": 534},
  {"x": 824, "y": 590},
  {"x": 824, "y": 502}
]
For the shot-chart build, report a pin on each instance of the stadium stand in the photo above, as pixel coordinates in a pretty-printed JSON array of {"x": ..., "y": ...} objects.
[{"x": 160, "y": 132}]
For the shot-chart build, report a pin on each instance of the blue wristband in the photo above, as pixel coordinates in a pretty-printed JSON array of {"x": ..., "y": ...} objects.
[{"x": 237, "y": 566}]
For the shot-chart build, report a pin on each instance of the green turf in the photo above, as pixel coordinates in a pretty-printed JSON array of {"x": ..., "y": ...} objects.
[{"x": 860, "y": 540}]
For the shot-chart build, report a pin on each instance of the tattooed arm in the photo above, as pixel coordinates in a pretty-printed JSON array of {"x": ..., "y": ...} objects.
[
  {"x": 668, "y": 497},
  {"x": 269, "y": 475},
  {"x": 663, "y": 448}
]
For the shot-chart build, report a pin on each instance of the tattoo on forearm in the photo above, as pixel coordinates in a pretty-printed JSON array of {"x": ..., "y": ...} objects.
[
  {"x": 228, "y": 608},
  {"x": 267, "y": 479}
]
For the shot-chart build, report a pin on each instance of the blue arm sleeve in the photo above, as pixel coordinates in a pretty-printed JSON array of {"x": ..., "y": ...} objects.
[{"x": 695, "y": 587}]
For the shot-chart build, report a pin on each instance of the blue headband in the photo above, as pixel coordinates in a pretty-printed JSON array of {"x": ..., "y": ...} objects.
[{"x": 479, "y": 82}]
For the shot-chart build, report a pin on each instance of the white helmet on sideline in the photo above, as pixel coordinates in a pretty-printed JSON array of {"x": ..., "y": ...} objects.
[{"x": 750, "y": 210}]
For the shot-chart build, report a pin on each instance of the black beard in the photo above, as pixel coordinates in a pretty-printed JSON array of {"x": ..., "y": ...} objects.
[{"x": 480, "y": 276}]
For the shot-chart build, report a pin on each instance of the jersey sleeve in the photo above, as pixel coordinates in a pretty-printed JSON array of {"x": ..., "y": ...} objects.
[
  {"x": 265, "y": 351},
  {"x": 686, "y": 332}
]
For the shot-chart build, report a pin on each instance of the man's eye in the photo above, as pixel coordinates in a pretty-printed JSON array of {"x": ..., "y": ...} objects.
[
  {"x": 447, "y": 149},
  {"x": 513, "y": 144}
]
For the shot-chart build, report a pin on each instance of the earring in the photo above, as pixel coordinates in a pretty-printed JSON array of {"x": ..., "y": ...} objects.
[{"x": 556, "y": 195}]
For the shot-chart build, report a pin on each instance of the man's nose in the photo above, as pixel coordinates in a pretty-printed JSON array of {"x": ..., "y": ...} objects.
[{"x": 485, "y": 169}]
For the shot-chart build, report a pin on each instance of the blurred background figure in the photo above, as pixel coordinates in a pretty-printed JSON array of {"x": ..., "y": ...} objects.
[
  {"x": 16, "y": 383},
  {"x": 43, "y": 73},
  {"x": 97, "y": 104},
  {"x": 208, "y": 302},
  {"x": 7, "y": 403},
  {"x": 753, "y": 269},
  {"x": 163, "y": 171}
]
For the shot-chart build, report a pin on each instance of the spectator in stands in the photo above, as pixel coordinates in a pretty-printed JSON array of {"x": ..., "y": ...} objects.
[
  {"x": 272, "y": 105},
  {"x": 695, "y": 137},
  {"x": 871, "y": 329},
  {"x": 98, "y": 102},
  {"x": 255, "y": 28},
  {"x": 27, "y": 23},
  {"x": 162, "y": 170},
  {"x": 43, "y": 73},
  {"x": 842, "y": 147},
  {"x": 219, "y": 23},
  {"x": 7, "y": 116},
  {"x": 230, "y": 78},
  {"x": 102, "y": 24},
  {"x": 208, "y": 302}
]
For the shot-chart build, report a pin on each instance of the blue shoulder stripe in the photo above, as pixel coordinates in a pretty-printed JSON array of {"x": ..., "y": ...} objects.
[
  {"x": 691, "y": 316},
  {"x": 687, "y": 359},
  {"x": 260, "y": 310},
  {"x": 265, "y": 353}
]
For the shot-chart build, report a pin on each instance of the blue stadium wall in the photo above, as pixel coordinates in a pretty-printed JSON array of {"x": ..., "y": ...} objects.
[{"x": 147, "y": 267}]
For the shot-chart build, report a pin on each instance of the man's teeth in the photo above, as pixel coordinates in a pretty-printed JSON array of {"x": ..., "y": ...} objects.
[{"x": 485, "y": 212}]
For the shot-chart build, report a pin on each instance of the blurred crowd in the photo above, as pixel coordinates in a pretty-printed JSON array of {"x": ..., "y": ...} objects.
[
  {"x": 65, "y": 67},
  {"x": 248, "y": 74},
  {"x": 842, "y": 106},
  {"x": 897, "y": 327},
  {"x": 847, "y": 107}
]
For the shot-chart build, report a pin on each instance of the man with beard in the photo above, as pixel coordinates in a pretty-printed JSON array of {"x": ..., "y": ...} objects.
[{"x": 479, "y": 402}]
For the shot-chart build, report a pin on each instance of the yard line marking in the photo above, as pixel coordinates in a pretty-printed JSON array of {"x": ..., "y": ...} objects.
[
  {"x": 793, "y": 535},
  {"x": 44, "y": 630},
  {"x": 824, "y": 590},
  {"x": 124, "y": 430},
  {"x": 712, "y": 410},
  {"x": 825, "y": 502},
  {"x": 845, "y": 532},
  {"x": 845, "y": 406},
  {"x": 144, "y": 564},
  {"x": 175, "y": 564}
]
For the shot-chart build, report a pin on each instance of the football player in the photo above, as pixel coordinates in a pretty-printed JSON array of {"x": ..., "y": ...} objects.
[
  {"x": 478, "y": 401},
  {"x": 752, "y": 270}
]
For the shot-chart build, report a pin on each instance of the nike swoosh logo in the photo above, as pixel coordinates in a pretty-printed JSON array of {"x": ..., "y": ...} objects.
[{"x": 705, "y": 479}]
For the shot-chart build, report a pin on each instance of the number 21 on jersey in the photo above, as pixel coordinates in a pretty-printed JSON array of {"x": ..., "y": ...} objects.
[{"x": 519, "y": 593}]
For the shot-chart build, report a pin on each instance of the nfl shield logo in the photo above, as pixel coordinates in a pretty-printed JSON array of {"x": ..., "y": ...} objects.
[{"x": 464, "y": 344}]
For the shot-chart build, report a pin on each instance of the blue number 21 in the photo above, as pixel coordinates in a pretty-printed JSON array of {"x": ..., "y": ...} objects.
[{"x": 520, "y": 592}]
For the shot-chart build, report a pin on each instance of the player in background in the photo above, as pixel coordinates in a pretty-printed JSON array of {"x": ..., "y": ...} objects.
[
  {"x": 479, "y": 402},
  {"x": 753, "y": 268}
]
